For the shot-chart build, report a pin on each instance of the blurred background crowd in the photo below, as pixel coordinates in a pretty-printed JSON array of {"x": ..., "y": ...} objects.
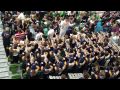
[{"x": 60, "y": 42}]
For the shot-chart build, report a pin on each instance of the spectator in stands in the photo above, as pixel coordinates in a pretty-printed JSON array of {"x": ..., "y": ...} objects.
[
  {"x": 6, "y": 40},
  {"x": 119, "y": 41},
  {"x": 55, "y": 43}
]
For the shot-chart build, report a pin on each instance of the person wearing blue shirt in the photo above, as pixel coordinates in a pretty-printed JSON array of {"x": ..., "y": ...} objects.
[{"x": 99, "y": 26}]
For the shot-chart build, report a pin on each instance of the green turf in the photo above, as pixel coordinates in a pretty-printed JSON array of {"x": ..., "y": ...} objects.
[
  {"x": 14, "y": 68},
  {"x": 16, "y": 76}
]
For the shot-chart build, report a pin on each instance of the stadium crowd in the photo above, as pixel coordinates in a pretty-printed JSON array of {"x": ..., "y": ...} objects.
[{"x": 62, "y": 42}]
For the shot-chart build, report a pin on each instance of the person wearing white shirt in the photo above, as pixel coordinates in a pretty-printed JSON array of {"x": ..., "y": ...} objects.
[
  {"x": 71, "y": 12},
  {"x": 115, "y": 38},
  {"x": 21, "y": 16},
  {"x": 38, "y": 36},
  {"x": 51, "y": 33},
  {"x": 63, "y": 27}
]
